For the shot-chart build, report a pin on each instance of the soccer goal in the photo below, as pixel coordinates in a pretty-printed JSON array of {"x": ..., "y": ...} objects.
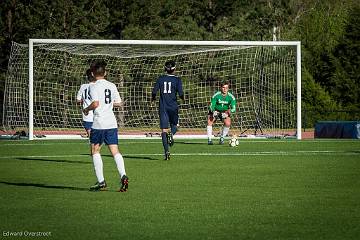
[{"x": 265, "y": 77}]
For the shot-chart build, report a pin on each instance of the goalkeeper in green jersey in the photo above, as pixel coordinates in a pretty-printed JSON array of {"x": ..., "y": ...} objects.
[{"x": 223, "y": 103}]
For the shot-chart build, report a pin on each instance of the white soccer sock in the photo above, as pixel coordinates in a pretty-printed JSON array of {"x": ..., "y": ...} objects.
[
  {"x": 120, "y": 164},
  {"x": 225, "y": 131},
  {"x": 98, "y": 166},
  {"x": 209, "y": 132}
]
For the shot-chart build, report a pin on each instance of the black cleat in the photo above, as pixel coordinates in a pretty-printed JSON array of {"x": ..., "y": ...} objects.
[
  {"x": 210, "y": 142},
  {"x": 102, "y": 186},
  {"x": 221, "y": 142},
  {"x": 124, "y": 184},
  {"x": 170, "y": 139},
  {"x": 167, "y": 156}
]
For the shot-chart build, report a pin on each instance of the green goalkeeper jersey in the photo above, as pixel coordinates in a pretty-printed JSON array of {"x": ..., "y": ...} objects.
[{"x": 223, "y": 103}]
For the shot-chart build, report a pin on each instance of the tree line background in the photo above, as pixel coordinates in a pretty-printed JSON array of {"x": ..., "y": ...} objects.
[{"x": 329, "y": 31}]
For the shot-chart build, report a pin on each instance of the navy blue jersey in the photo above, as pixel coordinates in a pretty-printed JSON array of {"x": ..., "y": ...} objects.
[{"x": 169, "y": 86}]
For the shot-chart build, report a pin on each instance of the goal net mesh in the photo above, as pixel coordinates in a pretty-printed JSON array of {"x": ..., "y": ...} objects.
[{"x": 262, "y": 78}]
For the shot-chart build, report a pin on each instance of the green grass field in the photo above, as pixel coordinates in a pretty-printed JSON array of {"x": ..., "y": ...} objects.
[{"x": 262, "y": 189}]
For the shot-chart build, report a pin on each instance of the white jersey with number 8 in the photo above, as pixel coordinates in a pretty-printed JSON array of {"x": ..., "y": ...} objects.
[{"x": 107, "y": 94}]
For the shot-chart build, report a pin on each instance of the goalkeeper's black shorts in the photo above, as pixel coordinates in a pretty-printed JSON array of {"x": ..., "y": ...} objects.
[{"x": 219, "y": 116}]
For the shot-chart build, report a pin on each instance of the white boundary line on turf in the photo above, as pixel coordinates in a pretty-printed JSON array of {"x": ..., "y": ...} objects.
[
  {"x": 156, "y": 141},
  {"x": 133, "y": 136},
  {"x": 279, "y": 153}
]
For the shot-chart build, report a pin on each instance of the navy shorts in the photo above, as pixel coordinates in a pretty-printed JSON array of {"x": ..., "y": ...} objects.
[
  {"x": 107, "y": 136},
  {"x": 87, "y": 125},
  {"x": 168, "y": 116}
]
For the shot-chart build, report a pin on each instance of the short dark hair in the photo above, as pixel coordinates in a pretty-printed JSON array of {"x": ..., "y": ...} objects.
[
  {"x": 170, "y": 66},
  {"x": 225, "y": 82},
  {"x": 98, "y": 68},
  {"x": 89, "y": 76}
]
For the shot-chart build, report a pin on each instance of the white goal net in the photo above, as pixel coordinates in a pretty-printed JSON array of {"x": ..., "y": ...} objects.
[{"x": 44, "y": 77}]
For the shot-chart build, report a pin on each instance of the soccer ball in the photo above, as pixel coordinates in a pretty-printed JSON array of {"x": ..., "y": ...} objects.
[{"x": 233, "y": 142}]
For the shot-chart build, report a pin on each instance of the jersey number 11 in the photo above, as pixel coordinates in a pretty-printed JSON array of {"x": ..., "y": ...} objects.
[{"x": 167, "y": 87}]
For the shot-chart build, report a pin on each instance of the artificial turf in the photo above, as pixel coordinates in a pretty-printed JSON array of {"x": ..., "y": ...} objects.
[{"x": 262, "y": 189}]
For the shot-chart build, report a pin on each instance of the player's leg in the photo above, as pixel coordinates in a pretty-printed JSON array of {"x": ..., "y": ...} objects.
[
  {"x": 165, "y": 142},
  {"x": 97, "y": 160},
  {"x": 124, "y": 180},
  {"x": 225, "y": 130},
  {"x": 87, "y": 126},
  {"x": 209, "y": 130},
  {"x": 170, "y": 135},
  {"x": 111, "y": 139},
  {"x": 96, "y": 140},
  {"x": 119, "y": 160},
  {"x": 164, "y": 123},
  {"x": 174, "y": 129},
  {"x": 87, "y": 132},
  {"x": 173, "y": 120}
]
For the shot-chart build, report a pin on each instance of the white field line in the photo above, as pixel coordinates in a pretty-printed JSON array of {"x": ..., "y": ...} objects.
[
  {"x": 272, "y": 153},
  {"x": 157, "y": 141}
]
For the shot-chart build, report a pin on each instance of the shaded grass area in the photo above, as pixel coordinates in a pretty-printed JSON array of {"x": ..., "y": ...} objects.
[{"x": 285, "y": 190}]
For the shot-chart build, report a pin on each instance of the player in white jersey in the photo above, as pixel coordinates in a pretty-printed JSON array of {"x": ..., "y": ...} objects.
[
  {"x": 83, "y": 98},
  {"x": 104, "y": 96}
]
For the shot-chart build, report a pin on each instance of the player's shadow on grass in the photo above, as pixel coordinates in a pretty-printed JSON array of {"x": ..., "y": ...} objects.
[
  {"x": 53, "y": 160},
  {"x": 191, "y": 143},
  {"x": 140, "y": 157},
  {"x": 131, "y": 157},
  {"x": 41, "y": 185}
]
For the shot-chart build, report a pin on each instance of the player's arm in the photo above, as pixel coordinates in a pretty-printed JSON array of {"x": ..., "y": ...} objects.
[
  {"x": 212, "y": 107},
  {"x": 233, "y": 105},
  {"x": 95, "y": 100},
  {"x": 154, "y": 91},
  {"x": 232, "y": 109},
  {"x": 153, "y": 96},
  {"x": 79, "y": 99},
  {"x": 180, "y": 90},
  {"x": 117, "y": 99},
  {"x": 91, "y": 107},
  {"x": 118, "y": 104},
  {"x": 212, "y": 104}
]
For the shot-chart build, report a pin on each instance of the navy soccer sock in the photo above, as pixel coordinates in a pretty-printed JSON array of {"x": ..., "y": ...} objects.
[
  {"x": 164, "y": 141},
  {"x": 173, "y": 129}
]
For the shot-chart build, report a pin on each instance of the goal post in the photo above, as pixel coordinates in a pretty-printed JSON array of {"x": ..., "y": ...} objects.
[{"x": 265, "y": 77}]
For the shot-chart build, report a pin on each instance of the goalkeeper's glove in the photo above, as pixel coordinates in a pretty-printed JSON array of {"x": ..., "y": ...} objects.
[
  {"x": 215, "y": 113},
  {"x": 224, "y": 115}
]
